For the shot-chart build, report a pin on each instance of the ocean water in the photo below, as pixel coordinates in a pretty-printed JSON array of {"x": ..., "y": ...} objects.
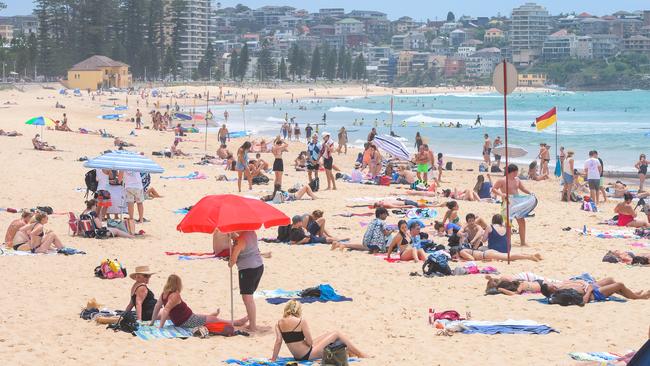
[{"x": 617, "y": 123}]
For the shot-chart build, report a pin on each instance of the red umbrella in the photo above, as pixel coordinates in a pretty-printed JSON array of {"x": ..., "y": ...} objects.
[{"x": 228, "y": 213}]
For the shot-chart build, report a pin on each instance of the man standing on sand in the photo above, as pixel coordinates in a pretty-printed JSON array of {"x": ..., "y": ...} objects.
[
  {"x": 593, "y": 171},
  {"x": 328, "y": 160},
  {"x": 313, "y": 158},
  {"x": 431, "y": 159},
  {"x": 138, "y": 119},
  {"x": 308, "y": 130},
  {"x": 487, "y": 149},
  {"x": 544, "y": 158},
  {"x": 225, "y": 116},
  {"x": 514, "y": 198},
  {"x": 372, "y": 134},
  {"x": 223, "y": 134},
  {"x": 422, "y": 160},
  {"x": 497, "y": 158}
]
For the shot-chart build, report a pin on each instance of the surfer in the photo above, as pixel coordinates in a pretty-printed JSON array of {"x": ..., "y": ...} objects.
[{"x": 478, "y": 120}]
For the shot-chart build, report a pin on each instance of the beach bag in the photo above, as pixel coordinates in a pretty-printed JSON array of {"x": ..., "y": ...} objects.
[
  {"x": 126, "y": 323},
  {"x": 335, "y": 354},
  {"x": 436, "y": 265},
  {"x": 482, "y": 168},
  {"x": 310, "y": 292},
  {"x": 314, "y": 184},
  {"x": 110, "y": 269},
  {"x": 448, "y": 166},
  {"x": 495, "y": 169},
  {"x": 451, "y": 315},
  {"x": 278, "y": 198},
  {"x": 384, "y": 180},
  {"x": 566, "y": 297},
  {"x": 220, "y": 328},
  {"x": 260, "y": 180},
  {"x": 589, "y": 206},
  {"x": 91, "y": 181}
]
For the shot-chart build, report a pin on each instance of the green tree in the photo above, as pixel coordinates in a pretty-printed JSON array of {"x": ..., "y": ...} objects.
[
  {"x": 330, "y": 65},
  {"x": 234, "y": 65},
  {"x": 178, "y": 9},
  {"x": 265, "y": 63},
  {"x": 282, "y": 70},
  {"x": 170, "y": 67},
  {"x": 359, "y": 68},
  {"x": 451, "y": 17},
  {"x": 315, "y": 71},
  {"x": 207, "y": 62},
  {"x": 294, "y": 61},
  {"x": 244, "y": 60},
  {"x": 341, "y": 72}
]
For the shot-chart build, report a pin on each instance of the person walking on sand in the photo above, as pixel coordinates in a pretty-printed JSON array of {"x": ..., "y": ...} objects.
[
  {"x": 642, "y": 167},
  {"x": 138, "y": 119},
  {"x": 372, "y": 134},
  {"x": 343, "y": 141},
  {"x": 223, "y": 134},
  {"x": 242, "y": 166},
  {"x": 246, "y": 254},
  {"x": 487, "y": 149},
  {"x": 567, "y": 176},
  {"x": 313, "y": 158},
  {"x": 544, "y": 158},
  {"x": 514, "y": 187},
  {"x": 308, "y": 130},
  {"x": 328, "y": 160},
  {"x": 593, "y": 171},
  {"x": 225, "y": 116},
  {"x": 278, "y": 148}
]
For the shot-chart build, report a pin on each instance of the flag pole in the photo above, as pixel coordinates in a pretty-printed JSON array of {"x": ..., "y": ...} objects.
[
  {"x": 505, "y": 120},
  {"x": 207, "y": 109}
]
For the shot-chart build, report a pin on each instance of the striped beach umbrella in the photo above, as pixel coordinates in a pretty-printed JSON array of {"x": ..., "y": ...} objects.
[
  {"x": 392, "y": 146},
  {"x": 126, "y": 161}
]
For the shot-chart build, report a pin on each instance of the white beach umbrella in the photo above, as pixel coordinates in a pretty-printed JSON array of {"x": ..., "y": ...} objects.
[{"x": 392, "y": 146}]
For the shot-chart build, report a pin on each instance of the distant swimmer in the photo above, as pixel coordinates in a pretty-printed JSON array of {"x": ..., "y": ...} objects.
[
  {"x": 533, "y": 124},
  {"x": 392, "y": 133},
  {"x": 478, "y": 121}
]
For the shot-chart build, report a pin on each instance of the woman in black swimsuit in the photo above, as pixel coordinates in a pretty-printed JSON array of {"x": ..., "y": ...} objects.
[
  {"x": 278, "y": 164},
  {"x": 294, "y": 331},
  {"x": 642, "y": 166},
  {"x": 41, "y": 240},
  {"x": 141, "y": 297}
]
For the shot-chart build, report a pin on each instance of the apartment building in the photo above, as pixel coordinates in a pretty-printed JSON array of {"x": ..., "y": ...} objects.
[
  {"x": 529, "y": 26},
  {"x": 194, "y": 40}
]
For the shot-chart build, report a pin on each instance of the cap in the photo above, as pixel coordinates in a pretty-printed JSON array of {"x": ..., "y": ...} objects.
[{"x": 296, "y": 219}]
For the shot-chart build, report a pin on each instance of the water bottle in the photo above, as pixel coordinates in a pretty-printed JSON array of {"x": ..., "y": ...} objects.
[{"x": 584, "y": 230}]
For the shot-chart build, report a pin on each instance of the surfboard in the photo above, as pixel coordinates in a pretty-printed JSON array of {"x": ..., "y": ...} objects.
[
  {"x": 111, "y": 116},
  {"x": 236, "y": 134},
  {"x": 183, "y": 116}
]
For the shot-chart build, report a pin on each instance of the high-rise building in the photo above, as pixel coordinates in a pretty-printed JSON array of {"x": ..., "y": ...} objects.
[
  {"x": 529, "y": 27},
  {"x": 194, "y": 40}
]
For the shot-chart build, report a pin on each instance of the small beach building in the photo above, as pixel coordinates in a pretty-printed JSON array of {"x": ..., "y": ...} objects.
[{"x": 98, "y": 72}]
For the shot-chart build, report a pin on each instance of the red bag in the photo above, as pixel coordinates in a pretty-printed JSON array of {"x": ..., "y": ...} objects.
[
  {"x": 384, "y": 180},
  {"x": 221, "y": 328},
  {"x": 448, "y": 315}
]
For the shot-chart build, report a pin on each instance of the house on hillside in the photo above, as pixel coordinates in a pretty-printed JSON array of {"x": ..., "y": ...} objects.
[{"x": 98, "y": 72}]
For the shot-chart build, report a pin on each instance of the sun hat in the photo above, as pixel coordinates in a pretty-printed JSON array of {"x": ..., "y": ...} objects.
[
  {"x": 325, "y": 134},
  {"x": 143, "y": 270}
]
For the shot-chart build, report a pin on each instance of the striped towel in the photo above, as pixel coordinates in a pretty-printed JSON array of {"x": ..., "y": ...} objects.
[{"x": 147, "y": 333}]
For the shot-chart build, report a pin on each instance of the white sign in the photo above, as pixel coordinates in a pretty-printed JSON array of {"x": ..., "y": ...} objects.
[{"x": 505, "y": 81}]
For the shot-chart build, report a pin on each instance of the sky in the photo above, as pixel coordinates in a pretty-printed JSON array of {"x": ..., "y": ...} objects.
[{"x": 417, "y": 9}]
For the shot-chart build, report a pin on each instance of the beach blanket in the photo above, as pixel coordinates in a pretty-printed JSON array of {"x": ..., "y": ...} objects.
[
  {"x": 611, "y": 298},
  {"x": 147, "y": 333},
  {"x": 520, "y": 206},
  {"x": 191, "y": 176},
  {"x": 640, "y": 245},
  {"x": 350, "y": 214},
  {"x": 188, "y": 256},
  {"x": 506, "y": 327},
  {"x": 594, "y": 356},
  {"x": 388, "y": 226},
  {"x": 421, "y": 213},
  {"x": 65, "y": 251},
  {"x": 280, "y": 296},
  {"x": 276, "y": 293},
  {"x": 609, "y": 234}
]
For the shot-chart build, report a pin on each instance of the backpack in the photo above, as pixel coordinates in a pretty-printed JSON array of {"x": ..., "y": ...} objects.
[
  {"x": 110, "y": 269},
  {"x": 91, "y": 181},
  {"x": 314, "y": 184},
  {"x": 436, "y": 265},
  {"x": 335, "y": 354},
  {"x": 283, "y": 233},
  {"x": 448, "y": 166},
  {"x": 260, "y": 180},
  {"x": 126, "y": 323}
]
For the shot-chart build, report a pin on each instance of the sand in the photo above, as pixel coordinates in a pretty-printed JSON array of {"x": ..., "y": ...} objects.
[{"x": 43, "y": 295}]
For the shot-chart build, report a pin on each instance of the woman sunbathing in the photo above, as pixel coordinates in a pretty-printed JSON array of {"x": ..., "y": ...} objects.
[
  {"x": 9, "y": 133},
  {"x": 395, "y": 203},
  {"x": 176, "y": 310},
  {"x": 466, "y": 195},
  {"x": 40, "y": 240},
  {"x": 406, "y": 243},
  {"x": 532, "y": 172},
  {"x": 294, "y": 331},
  {"x": 523, "y": 282},
  {"x": 490, "y": 254},
  {"x": 315, "y": 224},
  {"x": 595, "y": 290}
]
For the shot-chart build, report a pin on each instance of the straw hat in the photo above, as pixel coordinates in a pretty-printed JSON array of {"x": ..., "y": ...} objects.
[{"x": 143, "y": 270}]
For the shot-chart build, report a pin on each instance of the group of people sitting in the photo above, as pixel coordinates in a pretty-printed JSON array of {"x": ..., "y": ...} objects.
[{"x": 28, "y": 233}]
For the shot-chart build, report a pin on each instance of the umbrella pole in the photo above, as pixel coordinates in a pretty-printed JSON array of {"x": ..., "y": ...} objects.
[{"x": 232, "y": 301}]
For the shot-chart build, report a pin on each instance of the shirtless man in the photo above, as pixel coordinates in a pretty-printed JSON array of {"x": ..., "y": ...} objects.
[
  {"x": 422, "y": 160},
  {"x": 596, "y": 291},
  {"x": 544, "y": 158},
  {"x": 15, "y": 225},
  {"x": 514, "y": 187},
  {"x": 430, "y": 157},
  {"x": 223, "y": 134},
  {"x": 222, "y": 152},
  {"x": 487, "y": 149},
  {"x": 278, "y": 148},
  {"x": 473, "y": 230}
]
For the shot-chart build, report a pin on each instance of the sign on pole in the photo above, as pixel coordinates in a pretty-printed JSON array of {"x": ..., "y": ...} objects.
[{"x": 505, "y": 81}]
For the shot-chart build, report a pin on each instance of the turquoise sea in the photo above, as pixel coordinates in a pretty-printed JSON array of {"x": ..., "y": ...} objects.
[{"x": 616, "y": 123}]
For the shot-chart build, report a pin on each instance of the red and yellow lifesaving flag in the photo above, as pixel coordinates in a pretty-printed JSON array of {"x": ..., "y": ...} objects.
[{"x": 547, "y": 119}]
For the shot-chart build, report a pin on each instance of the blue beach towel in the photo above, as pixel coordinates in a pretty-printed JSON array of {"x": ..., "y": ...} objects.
[
  {"x": 147, "y": 333},
  {"x": 281, "y": 361},
  {"x": 509, "y": 329},
  {"x": 611, "y": 298},
  {"x": 327, "y": 294},
  {"x": 593, "y": 356}
]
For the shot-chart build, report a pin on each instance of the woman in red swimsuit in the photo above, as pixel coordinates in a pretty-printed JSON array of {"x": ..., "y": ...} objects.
[{"x": 626, "y": 213}]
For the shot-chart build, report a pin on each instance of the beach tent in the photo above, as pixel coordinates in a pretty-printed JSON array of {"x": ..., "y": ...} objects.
[
  {"x": 392, "y": 146},
  {"x": 124, "y": 160},
  {"x": 229, "y": 213}
]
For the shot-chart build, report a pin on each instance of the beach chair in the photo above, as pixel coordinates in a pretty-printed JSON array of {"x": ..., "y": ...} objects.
[{"x": 73, "y": 224}]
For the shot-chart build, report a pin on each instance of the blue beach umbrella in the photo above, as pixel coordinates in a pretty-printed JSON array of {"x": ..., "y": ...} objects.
[
  {"x": 392, "y": 146},
  {"x": 126, "y": 161}
]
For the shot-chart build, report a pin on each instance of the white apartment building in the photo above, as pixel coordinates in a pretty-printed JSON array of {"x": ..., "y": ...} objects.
[
  {"x": 529, "y": 28},
  {"x": 194, "y": 39}
]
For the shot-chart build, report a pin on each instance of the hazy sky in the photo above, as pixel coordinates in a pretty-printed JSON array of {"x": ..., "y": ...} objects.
[{"x": 418, "y": 9}]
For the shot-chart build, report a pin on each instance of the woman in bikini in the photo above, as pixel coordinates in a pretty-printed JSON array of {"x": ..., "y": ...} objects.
[
  {"x": 405, "y": 243},
  {"x": 627, "y": 214},
  {"x": 595, "y": 290},
  {"x": 642, "y": 166},
  {"x": 452, "y": 213},
  {"x": 490, "y": 255},
  {"x": 41, "y": 240},
  {"x": 175, "y": 309},
  {"x": 287, "y": 197},
  {"x": 141, "y": 296},
  {"x": 279, "y": 146},
  {"x": 294, "y": 331},
  {"x": 316, "y": 227},
  {"x": 523, "y": 282},
  {"x": 91, "y": 212},
  {"x": 242, "y": 166}
]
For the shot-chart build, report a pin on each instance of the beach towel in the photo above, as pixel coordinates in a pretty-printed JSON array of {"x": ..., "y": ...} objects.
[
  {"x": 609, "y": 234},
  {"x": 506, "y": 327},
  {"x": 640, "y": 245},
  {"x": 611, "y": 298},
  {"x": 520, "y": 206},
  {"x": 276, "y": 293},
  {"x": 11, "y": 252},
  {"x": 594, "y": 356},
  {"x": 350, "y": 214},
  {"x": 388, "y": 226},
  {"x": 327, "y": 294},
  {"x": 188, "y": 256},
  {"x": 281, "y": 361},
  {"x": 181, "y": 211},
  {"x": 147, "y": 333},
  {"x": 421, "y": 213},
  {"x": 191, "y": 176}
]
